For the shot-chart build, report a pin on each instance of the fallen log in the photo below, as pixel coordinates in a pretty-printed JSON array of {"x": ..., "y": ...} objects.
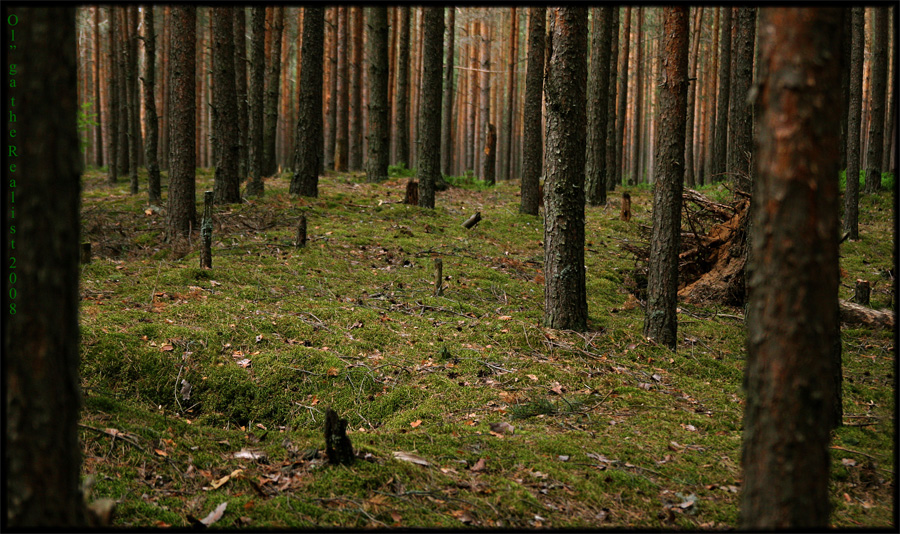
[{"x": 855, "y": 314}]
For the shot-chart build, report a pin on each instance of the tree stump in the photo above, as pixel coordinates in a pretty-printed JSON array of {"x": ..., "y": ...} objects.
[
  {"x": 626, "y": 206},
  {"x": 472, "y": 221},
  {"x": 412, "y": 193},
  {"x": 438, "y": 277},
  {"x": 301, "y": 231},
  {"x": 337, "y": 444},
  {"x": 862, "y": 292},
  {"x": 206, "y": 232}
]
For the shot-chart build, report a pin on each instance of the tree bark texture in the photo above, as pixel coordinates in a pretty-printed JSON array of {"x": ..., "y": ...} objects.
[
  {"x": 309, "y": 139},
  {"x": 429, "y": 154},
  {"x": 692, "y": 99},
  {"x": 506, "y": 153},
  {"x": 113, "y": 100},
  {"x": 792, "y": 325},
  {"x": 402, "y": 96},
  {"x": 226, "y": 189},
  {"x": 257, "y": 89},
  {"x": 378, "y": 115},
  {"x": 854, "y": 123},
  {"x": 122, "y": 75},
  {"x": 132, "y": 102},
  {"x": 152, "y": 123},
  {"x": 270, "y": 105},
  {"x": 240, "y": 69},
  {"x": 877, "y": 108},
  {"x": 611, "y": 162},
  {"x": 532, "y": 144},
  {"x": 661, "y": 321},
  {"x": 342, "y": 133},
  {"x": 98, "y": 104},
  {"x": 565, "y": 299},
  {"x": 720, "y": 148},
  {"x": 331, "y": 108},
  {"x": 42, "y": 454},
  {"x": 447, "y": 102},
  {"x": 181, "y": 214},
  {"x": 355, "y": 149},
  {"x": 740, "y": 120},
  {"x": 597, "y": 101},
  {"x": 485, "y": 101},
  {"x": 638, "y": 98},
  {"x": 622, "y": 96}
]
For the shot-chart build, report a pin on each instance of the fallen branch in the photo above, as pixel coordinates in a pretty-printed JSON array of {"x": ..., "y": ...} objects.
[{"x": 852, "y": 313}]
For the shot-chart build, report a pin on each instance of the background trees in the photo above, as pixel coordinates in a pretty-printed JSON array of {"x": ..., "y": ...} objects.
[
  {"x": 533, "y": 158},
  {"x": 429, "y": 158},
  {"x": 181, "y": 214},
  {"x": 225, "y": 112},
  {"x": 379, "y": 128},
  {"x": 307, "y": 154}
]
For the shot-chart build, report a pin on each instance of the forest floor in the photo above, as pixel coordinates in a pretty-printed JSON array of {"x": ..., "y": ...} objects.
[{"x": 464, "y": 410}]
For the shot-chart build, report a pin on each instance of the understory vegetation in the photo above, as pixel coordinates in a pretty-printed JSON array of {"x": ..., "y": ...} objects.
[{"x": 203, "y": 387}]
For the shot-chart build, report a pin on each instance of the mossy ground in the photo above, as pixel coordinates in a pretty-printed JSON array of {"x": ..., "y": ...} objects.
[{"x": 610, "y": 430}]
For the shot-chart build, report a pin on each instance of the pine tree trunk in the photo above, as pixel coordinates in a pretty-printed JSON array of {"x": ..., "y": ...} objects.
[
  {"x": 720, "y": 154},
  {"x": 255, "y": 186},
  {"x": 692, "y": 99},
  {"x": 402, "y": 94},
  {"x": 661, "y": 321},
  {"x": 113, "y": 92},
  {"x": 270, "y": 105},
  {"x": 42, "y": 453},
  {"x": 636, "y": 153},
  {"x": 331, "y": 111},
  {"x": 854, "y": 120},
  {"x": 508, "y": 143},
  {"x": 307, "y": 147},
  {"x": 877, "y": 106},
  {"x": 845, "y": 82},
  {"x": 356, "y": 87},
  {"x": 342, "y": 134},
  {"x": 488, "y": 171},
  {"x": 565, "y": 298},
  {"x": 181, "y": 214},
  {"x": 378, "y": 128},
  {"x": 154, "y": 190},
  {"x": 226, "y": 189},
  {"x": 98, "y": 100},
  {"x": 429, "y": 156},
  {"x": 447, "y": 99},
  {"x": 597, "y": 100},
  {"x": 890, "y": 102},
  {"x": 240, "y": 68},
  {"x": 740, "y": 120},
  {"x": 122, "y": 75},
  {"x": 532, "y": 144},
  {"x": 610, "y": 178},
  {"x": 792, "y": 325},
  {"x": 623, "y": 97}
]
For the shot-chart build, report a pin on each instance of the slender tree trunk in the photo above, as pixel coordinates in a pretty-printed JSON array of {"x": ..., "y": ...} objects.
[
  {"x": 845, "y": 83},
  {"x": 692, "y": 99},
  {"x": 877, "y": 107},
  {"x": 308, "y": 143},
  {"x": 792, "y": 325},
  {"x": 166, "y": 91},
  {"x": 42, "y": 454},
  {"x": 623, "y": 96},
  {"x": 851, "y": 195},
  {"x": 98, "y": 101},
  {"x": 661, "y": 321},
  {"x": 429, "y": 157},
  {"x": 270, "y": 104},
  {"x": 597, "y": 100},
  {"x": 122, "y": 75},
  {"x": 472, "y": 115},
  {"x": 402, "y": 94},
  {"x": 240, "y": 67},
  {"x": 890, "y": 98},
  {"x": 709, "y": 162},
  {"x": 488, "y": 169},
  {"x": 507, "y": 150},
  {"x": 636, "y": 153},
  {"x": 740, "y": 120},
  {"x": 331, "y": 108},
  {"x": 611, "y": 164},
  {"x": 154, "y": 190},
  {"x": 565, "y": 298},
  {"x": 377, "y": 60},
  {"x": 182, "y": 209},
  {"x": 255, "y": 186},
  {"x": 447, "y": 100},
  {"x": 532, "y": 144},
  {"x": 113, "y": 92},
  {"x": 225, "y": 121},
  {"x": 356, "y": 68},
  {"x": 720, "y": 152},
  {"x": 342, "y": 133}
]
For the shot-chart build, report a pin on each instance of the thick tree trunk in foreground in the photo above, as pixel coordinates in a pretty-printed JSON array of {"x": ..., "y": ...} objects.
[
  {"x": 152, "y": 123},
  {"x": 854, "y": 123},
  {"x": 225, "y": 114},
  {"x": 181, "y": 214},
  {"x": 42, "y": 455},
  {"x": 661, "y": 321},
  {"x": 257, "y": 85},
  {"x": 792, "y": 325},
  {"x": 532, "y": 144},
  {"x": 565, "y": 299},
  {"x": 429, "y": 155},
  {"x": 379, "y": 127},
  {"x": 307, "y": 148}
]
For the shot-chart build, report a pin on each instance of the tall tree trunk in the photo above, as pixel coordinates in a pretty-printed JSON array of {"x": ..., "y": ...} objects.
[
  {"x": 165, "y": 90},
  {"x": 122, "y": 75},
  {"x": 890, "y": 99},
  {"x": 154, "y": 190},
  {"x": 182, "y": 209},
  {"x": 506, "y": 151},
  {"x": 597, "y": 101},
  {"x": 712, "y": 105},
  {"x": 331, "y": 110},
  {"x": 532, "y": 144},
  {"x": 429, "y": 156},
  {"x": 851, "y": 195},
  {"x": 113, "y": 92},
  {"x": 720, "y": 151},
  {"x": 309, "y": 140},
  {"x": 845, "y": 82},
  {"x": 356, "y": 87},
  {"x": 136, "y": 150},
  {"x": 42, "y": 454},
  {"x": 447, "y": 99},
  {"x": 692, "y": 99},
  {"x": 623, "y": 96},
  {"x": 240, "y": 68},
  {"x": 488, "y": 170},
  {"x": 876, "y": 110},
  {"x": 792, "y": 325},
  {"x": 257, "y": 85},
  {"x": 342, "y": 134},
  {"x": 130, "y": 77},
  {"x": 636, "y": 153},
  {"x": 226, "y": 189},
  {"x": 402, "y": 95},
  {"x": 661, "y": 321},
  {"x": 565, "y": 298},
  {"x": 610, "y": 178},
  {"x": 378, "y": 128},
  {"x": 270, "y": 105},
  {"x": 98, "y": 101},
  {"x": 472, "y": 115},
  {"x": 740, "y": 120}
]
